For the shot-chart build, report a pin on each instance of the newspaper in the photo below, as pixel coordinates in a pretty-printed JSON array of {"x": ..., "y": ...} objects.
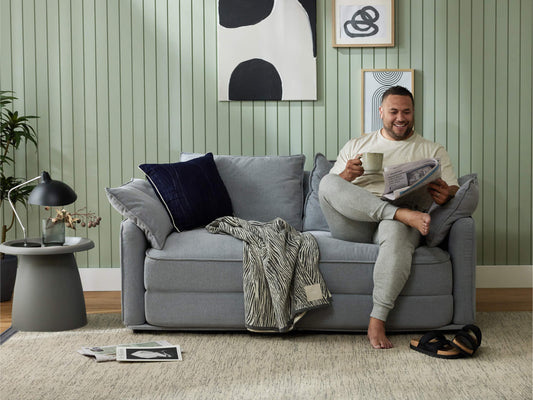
[
  {"x": 406, "y": 184},
  {"x": 109, "y": 353},
  {"x": 146, "y": 354}
]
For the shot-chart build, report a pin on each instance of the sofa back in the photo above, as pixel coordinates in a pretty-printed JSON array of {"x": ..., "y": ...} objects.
[{"x": 262, "y": 188}]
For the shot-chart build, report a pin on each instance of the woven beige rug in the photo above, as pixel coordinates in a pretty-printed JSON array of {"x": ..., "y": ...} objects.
[{"x": 251, "y": 366}]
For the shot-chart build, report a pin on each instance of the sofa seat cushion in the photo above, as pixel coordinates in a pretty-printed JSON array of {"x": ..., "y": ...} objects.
[
  {"x": 195, "y": 261},
  {"x": 348, "y": 267},
  {"x": 198, "y": 261}
]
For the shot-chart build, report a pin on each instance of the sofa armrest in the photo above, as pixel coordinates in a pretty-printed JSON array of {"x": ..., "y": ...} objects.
[
  {"x": 462, "y": 250},
  {"x": 133, "y": 245}
]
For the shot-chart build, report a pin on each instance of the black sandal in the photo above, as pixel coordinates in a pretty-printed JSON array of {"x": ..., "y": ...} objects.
[
  {"x": 434, "y": 344},
  {"x": 467, "y": 340}
]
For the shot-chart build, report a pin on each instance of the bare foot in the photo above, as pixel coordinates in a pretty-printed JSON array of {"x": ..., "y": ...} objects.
[
  {"x": 376, "y": 334},
  {"x": 414, "y": 219}
]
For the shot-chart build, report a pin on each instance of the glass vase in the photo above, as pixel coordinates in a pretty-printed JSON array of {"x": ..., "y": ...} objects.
[{"x": 53, "y": 233}]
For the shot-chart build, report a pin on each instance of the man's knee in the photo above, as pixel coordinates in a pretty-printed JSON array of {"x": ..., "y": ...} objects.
[{"x": 329, "y": 184}]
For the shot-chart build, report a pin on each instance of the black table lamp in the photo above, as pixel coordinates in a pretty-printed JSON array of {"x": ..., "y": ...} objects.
[{"x": 47, "y": 193}]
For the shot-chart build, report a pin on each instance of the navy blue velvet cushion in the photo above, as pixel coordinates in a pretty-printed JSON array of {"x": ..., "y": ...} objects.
[{"x": 192, "y": 191}]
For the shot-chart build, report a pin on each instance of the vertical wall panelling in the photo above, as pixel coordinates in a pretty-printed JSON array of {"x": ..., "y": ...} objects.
[
  {"x": 489, "y": 131},
  {"x": 29, "y": 101},
  {"x": 79, "y": 127},
  {"x": 513, "y": 145},
  {"x": 477, "y": 120},
  {"x": 524, "y": 126},
  {"x": 464, "y": 99},
  {"x": 452, "y": 62},
  {"x": 425, "y": 93},
  {"x": 174, "y": 79},
  {"x": 210, "y": 79},
  {"x": 124, "y": 79},
  {"x": 150, "y": 78},
  {"x": 120, "y": 82},
  {"x": 198, "y": 75}
]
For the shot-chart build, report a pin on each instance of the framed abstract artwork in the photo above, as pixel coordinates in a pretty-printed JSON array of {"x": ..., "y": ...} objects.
[
  {"x": 374, "y": 83},
  {"x": 363, "y": 23},
  {"x": 267, "y": 50}
]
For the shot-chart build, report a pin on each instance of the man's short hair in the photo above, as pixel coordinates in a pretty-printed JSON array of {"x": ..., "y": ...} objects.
[{"x": 399, "y": 91}]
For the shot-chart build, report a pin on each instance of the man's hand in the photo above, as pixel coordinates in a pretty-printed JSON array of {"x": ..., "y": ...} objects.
[
  {"x": 354, "y": 169},
  {"x": 441, "y": 192}
]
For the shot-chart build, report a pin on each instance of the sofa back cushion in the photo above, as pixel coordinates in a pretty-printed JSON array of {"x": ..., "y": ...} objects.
[
  {"x": 262, "y": 188},
  {"x": 462, "y": 205},
  {"x": 314, "y": 219},
  {"x": 138, "y": 201}
]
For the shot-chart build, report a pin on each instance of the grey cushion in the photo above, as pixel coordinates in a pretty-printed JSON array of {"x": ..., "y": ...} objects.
[
  {"x": 462, "y": 205},
  {"x": 138, "y": 201},
  {"x": 263, "y": 188},
  {"x": 314, "y": 219}
]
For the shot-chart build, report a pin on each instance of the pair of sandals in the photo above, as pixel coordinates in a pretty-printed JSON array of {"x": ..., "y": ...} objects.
[{"x": 464, "y": 344}]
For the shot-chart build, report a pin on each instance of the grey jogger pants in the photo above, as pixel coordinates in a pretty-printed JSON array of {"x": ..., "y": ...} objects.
[{"x": 356, "y": 215}]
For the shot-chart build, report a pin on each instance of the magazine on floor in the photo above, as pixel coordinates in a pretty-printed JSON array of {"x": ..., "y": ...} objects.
[
  {"x": 147, "y": 354},
  {"x": 406, "y": 184},
  {"x": 108, "y": 353}
]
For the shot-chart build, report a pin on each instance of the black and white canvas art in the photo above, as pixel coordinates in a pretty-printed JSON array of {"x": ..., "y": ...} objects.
[{"x": 267, "y": 50}]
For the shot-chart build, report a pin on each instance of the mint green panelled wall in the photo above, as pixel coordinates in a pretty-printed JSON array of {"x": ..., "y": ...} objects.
[{"x": 117, "y": 83}]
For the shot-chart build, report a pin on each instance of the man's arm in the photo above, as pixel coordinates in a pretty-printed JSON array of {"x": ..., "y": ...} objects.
[{"x": 441, "y": 192}]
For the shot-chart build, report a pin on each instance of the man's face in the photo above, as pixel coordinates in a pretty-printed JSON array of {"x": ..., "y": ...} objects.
[{"x": 397, "y": 114}]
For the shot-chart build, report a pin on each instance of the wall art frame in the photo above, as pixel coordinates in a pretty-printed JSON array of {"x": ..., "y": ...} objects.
[
  {"x": 374, "y": 82},
  {"x": 267, "y": 50},
  {"x": 363, "y": 23}
]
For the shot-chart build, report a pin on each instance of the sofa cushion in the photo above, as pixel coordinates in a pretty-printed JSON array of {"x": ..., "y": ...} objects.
[
  {"x": 462, "y": 205},
  {"x": 192, "y": 192},
  {"x": 313, "y": 217},
  {"x": 262, "y": 188},
  {"x": 347, "y": 267},
  {"x": 195, "y": 261},
  {"x": 137, "y": 201}
]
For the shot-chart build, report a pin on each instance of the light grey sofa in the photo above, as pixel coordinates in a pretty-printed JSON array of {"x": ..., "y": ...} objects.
[{"x": 192, "y": 280}]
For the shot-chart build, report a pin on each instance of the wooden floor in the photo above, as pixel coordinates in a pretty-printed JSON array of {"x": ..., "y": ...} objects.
[{"x": 487, "y": 300}]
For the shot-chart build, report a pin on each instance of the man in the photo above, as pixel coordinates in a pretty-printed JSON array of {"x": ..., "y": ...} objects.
[{"x": 354, "y": 211}]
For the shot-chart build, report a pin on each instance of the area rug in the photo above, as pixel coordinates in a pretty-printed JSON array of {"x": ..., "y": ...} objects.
[{"x": 253, "y": 366}]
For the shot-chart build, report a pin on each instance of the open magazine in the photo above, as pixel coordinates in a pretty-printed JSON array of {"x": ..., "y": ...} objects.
[
  {"x": 406, "y": 184},
  {"x": 109, "y": 353}
]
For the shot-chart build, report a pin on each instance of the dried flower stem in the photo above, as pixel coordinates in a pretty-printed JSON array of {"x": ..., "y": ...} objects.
[{"x": 89, "y": 218}]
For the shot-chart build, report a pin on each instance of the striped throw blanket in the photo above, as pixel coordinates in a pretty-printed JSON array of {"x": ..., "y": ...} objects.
[{"x": 281, "y": 279}]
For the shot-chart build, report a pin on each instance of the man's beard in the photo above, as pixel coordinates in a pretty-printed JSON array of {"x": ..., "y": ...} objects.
[{"x": 395, "y": 136}]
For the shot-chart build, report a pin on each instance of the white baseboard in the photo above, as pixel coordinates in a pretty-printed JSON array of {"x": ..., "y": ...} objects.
[
  {"x": 504, "y": 276},
  {"x": 487, "y": 276},
  {"x": 100, "y": 279}
]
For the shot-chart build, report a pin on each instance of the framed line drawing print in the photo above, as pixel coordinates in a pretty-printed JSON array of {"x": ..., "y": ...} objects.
[
  {"x": 363, "y": 23},
  {"x": 374, "y": 83}
]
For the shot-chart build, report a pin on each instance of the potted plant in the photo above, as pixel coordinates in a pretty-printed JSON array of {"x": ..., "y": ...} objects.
[{"x": 15, "y": 129}]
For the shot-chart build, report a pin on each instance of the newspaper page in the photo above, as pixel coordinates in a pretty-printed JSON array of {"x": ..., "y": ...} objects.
[
  {"x": 406, "y": 184},
  {"x": 147, "y": 354},
  {"x": 108, "y": 353}
]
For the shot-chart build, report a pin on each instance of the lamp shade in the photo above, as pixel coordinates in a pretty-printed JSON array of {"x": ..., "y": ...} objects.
[{"x": 52, "y": 193}]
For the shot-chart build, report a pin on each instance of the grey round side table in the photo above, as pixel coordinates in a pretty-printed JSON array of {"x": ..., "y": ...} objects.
[{"x": 48, "y": 294}]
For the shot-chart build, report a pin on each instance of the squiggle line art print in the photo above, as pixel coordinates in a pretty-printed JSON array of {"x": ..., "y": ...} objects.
[{"x": 362, "y": 23}]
